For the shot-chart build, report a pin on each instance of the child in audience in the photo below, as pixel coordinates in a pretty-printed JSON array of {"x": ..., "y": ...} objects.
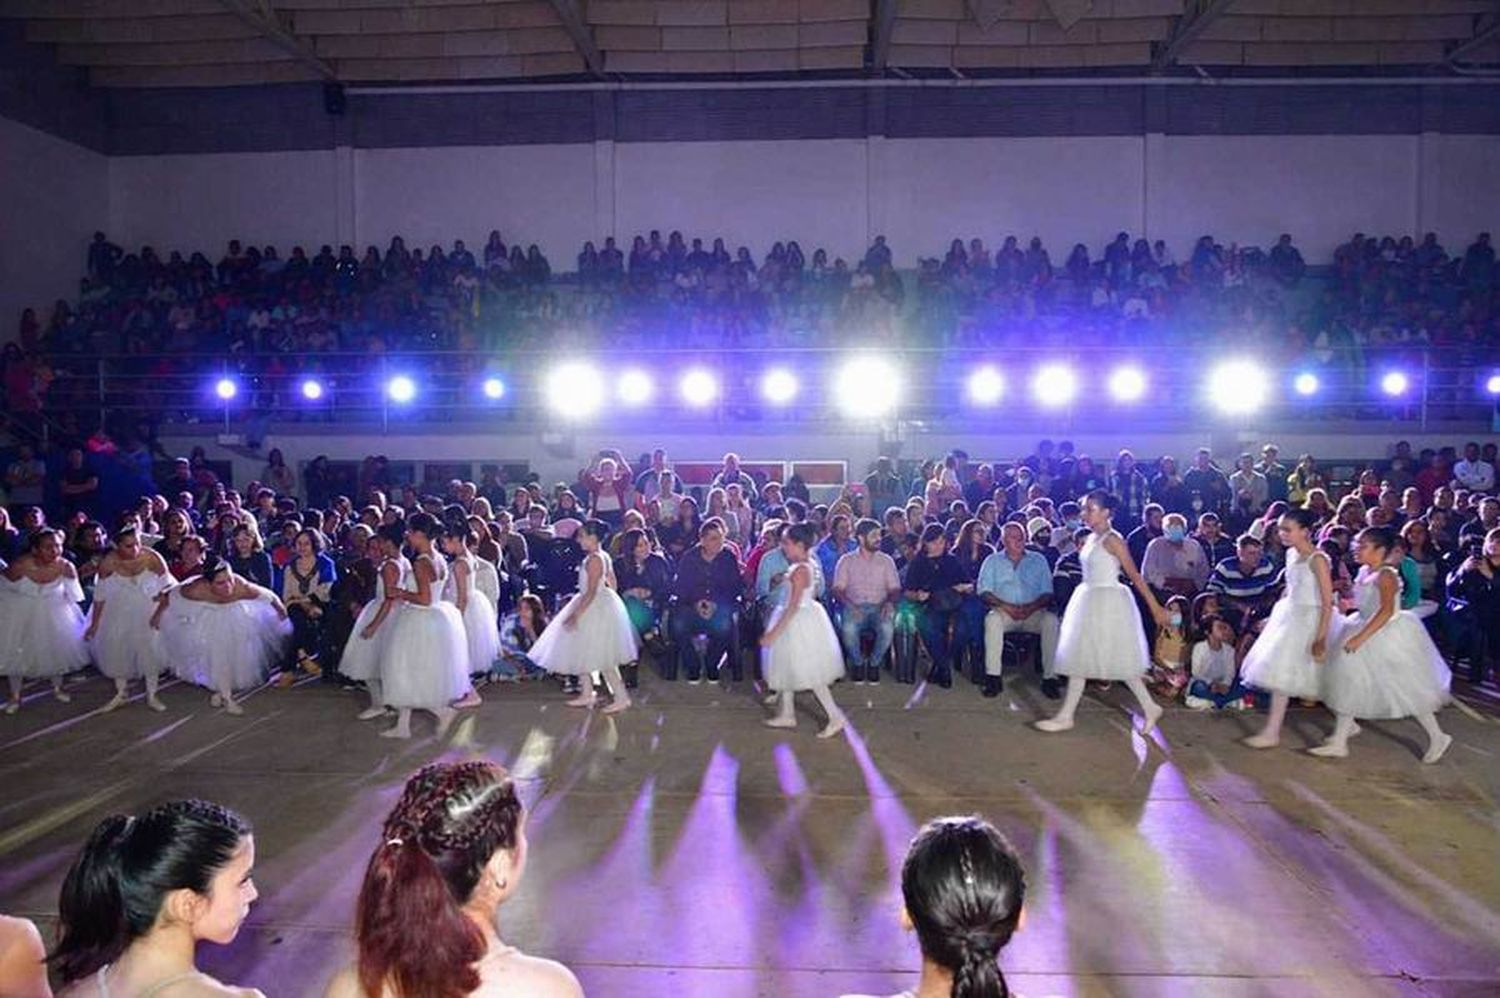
[
  {"x": 1169, "y": 655},
  {"x": 1216, "y": 681}
]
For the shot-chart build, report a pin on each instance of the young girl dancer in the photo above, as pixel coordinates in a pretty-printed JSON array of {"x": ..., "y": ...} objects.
[
  {"x": 481, "y": 622},
  {"x": 132, "y": 579},
  {"x": 1287, "y": 659},
  {"x": 425, "y": 664},
  {"x": 1101, "y": 636},
  {"x": 223, "y": 633},
  {"x": 41, "y": 627},
  {"x": 373, "y": 627},
  {"x": 1387, "y": 667},
  {"x": 802, "y": 651},
  {"x": 593, "y": 631}
]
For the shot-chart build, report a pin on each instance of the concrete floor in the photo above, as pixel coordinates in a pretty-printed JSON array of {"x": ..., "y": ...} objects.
[{"x": 682, "y": 849}]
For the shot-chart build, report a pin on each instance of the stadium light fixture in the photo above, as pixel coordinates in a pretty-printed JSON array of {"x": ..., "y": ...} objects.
[
  {"x": 1127, "y": 384},
  {"x": 1238, "y": 387},
  {"x": 575, "y": 390},
  {"x": 867, "y": 387},
  {"x": 401, "y": 389},
  {"x": 1305, "y": 384},
  {"x": 986, "y": 385},
  {"x": 1054, "y": 385},
  {"x": 1394, "y": 383},
  {"x": 778, "y": 386},
  {"x": 312, "y": 389},
  {"x": 699, "y": 387},
  {"x": 635, "y": 387}
]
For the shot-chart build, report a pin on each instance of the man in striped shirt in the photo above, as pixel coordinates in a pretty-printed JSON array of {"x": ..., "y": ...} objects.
[{"x": 1248, "y": 584}]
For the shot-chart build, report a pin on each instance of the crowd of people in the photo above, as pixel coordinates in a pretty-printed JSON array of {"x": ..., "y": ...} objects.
[{"x": 169, "y": 320}]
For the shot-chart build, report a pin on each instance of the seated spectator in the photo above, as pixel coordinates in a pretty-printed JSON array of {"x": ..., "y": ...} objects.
[
  {"x": 645, "y": 583},
  {"x": 1169, "y": 649},
  {"x": 837, "y": 544},
  {"x": 305, "y": 585},
  {"x": 1210, "y": 536},
  {"x": 867, "y": 588},
  {"x": 1175, "y": 564},
  {"x": 933, "y": 589},
  {"x": 707, "y": 591},
  {"x": 1015, "y": 584},
  {"x": 1216, "y": 681},
  {"x": 1474, "y": 604},
  {"x": 1247, "y": 583},
  {"x": 1039, "y": 533},
  {"x": 451, "y": 852},
  {"x": 518, "y": 632},
  {"x": 1151, "y": 528},
  {"x": 1068, "y": 575}
]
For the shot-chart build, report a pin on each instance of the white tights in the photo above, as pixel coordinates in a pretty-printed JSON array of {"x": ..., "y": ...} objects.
[
  {"x": 786, "y": 704},
  {"x": 1074, "y": 695}
]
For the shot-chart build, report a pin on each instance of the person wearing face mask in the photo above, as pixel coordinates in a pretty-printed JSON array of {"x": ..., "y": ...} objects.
[
  {"x": 1072, "y": 519},
  {"x": 1039, "y": 535},
  {"x": 1175, "y": 564}
]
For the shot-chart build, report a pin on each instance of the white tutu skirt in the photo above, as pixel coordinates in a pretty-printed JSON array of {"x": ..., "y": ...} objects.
[
  {"x": 223, "y": 645},
  {"x": 1397, "y": 673},
  {"x": 1101, "y": 636},
  {"x": 804, "y": 656},
  {"x": 41, "y": 630},
  {"x": 481, "y": 632},
  {"x": 124, "y": 645},
  {"x": 603, "y": 637},
  {"x": 425, "y": 664},
  {"x": 361, "y": 658},
  {"x": 1281, "y": 659}
]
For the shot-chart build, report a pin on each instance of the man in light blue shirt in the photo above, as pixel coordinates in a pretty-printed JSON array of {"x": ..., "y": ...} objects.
[
  {"x": 1016, "y": 584},
  {"x": 770, "y": 579}
]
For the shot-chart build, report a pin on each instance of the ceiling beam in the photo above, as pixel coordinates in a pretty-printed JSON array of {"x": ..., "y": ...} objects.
[
  {"x": 258, "y": 15},
  {"x": 1193, "y": 21},
  {"x": 883, "y": 25},
  {"x": 583, "y": 39},
  {"x": 1485, "y": 33}
]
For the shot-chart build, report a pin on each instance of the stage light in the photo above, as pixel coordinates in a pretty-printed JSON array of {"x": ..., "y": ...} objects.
[
  {"x": 493, "y": 388},
  {"x": 226, "y": 389},
  {"x": 1305, "y": 384},
  {"x": 1394, "y": 383},
  {"x": 867, "y": 387},
  {"x": 401, "y": 389},
  {"x": 312, "y": 389},
  {"x": 1127, "y": 384},
  {"x": 1054, "y": 385},
  {"x": 986, "y": 385},
  {"x": 779, "y": 386},
  {"x": 635, "y": 387},
  {"x": 699, "y": 387},
  {"x": 1493, "y": 384},
  {"x": 575, "y": 389},
  {"x": 1238, "y": 387}
]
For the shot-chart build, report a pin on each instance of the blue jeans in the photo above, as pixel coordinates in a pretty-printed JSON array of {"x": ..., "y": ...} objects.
[
  {"x": 1198, "y": 688},
  {"x": 855, "y": 621}
]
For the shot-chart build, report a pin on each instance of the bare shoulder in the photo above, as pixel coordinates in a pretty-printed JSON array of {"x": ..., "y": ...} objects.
[
  {"x": 345, "y": 984},
  {"x": 203, "y": 986},
  {"x": 20, "y": 941},
  {"x": 541, "y": 978}
]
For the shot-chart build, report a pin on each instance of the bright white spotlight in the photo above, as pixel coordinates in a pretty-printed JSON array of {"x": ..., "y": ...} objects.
[
  {"x": 1238, "y": 387},
  {"x": 226, "y": 389},
  {"x": 1054, "y": 385},
  {"x": 867, "y": 387},
  {"x": 575, "y": 389},
  {"x": 312, "y": 389},
  {"x": 1305, "y": 384},
  {"x": 779, "y": 386},
  {"x": 986, "y": 385},
  {"x": 699, "y": 387},
  {"x": 1493, "y": 384},
  {"x": 635, "y": 387},
  {"x": 1127, "y": 384},
  {"x": 493, "y": 388},
  {"x": 1394, "y": 383},
  {"x": 401, "y": 389}
]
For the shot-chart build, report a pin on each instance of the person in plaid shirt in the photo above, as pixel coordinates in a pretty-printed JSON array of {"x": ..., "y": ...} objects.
[{"x": 1130, "y": 487}]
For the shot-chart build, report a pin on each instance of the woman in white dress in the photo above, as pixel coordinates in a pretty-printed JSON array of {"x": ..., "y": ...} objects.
[
  {"x": 376, "y": 621},
  {"x": 592, "y": 633},
  {"x": 1287, "y": 659},
  {"x": 41, "y": 627},
  {"x": 1101, "y": 635},
  {"x": 132, "y": 580},
  {"x": 425, "y": 664},
  {"x": 222, "y": 632},
  {"x": 481, "y": 622},
  {"x": 801, "y": 650},
  {"x": 1385, "y": 666}
]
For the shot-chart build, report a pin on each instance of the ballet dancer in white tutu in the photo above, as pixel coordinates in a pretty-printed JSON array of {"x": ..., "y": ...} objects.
[
  {"x": 481, "y": 621},
  {"x": 592, "y": 633},
  {"x": 132, "y": 580},
  {"x": 222, "y": 632},
  {"x": 800, "y": 649},
  {"x": 1101, "y": 635},
  {"x": 425, "y": 663},
  {"x": 1384, "y": 665},
  {"x": 377, "y": 619},
  {"x": 41, "y": 627},
  {"x": 1287, "y": 660}
]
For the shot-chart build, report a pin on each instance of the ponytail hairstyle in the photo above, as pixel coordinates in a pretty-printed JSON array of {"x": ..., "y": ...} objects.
[
  {"x": 413, "y": 936},
  {"x": 1383, "y": 538},
  {"x": 114, "y": 892},
  {"x": 963, "y": 887},
  {"x": 393, "y": 534}
]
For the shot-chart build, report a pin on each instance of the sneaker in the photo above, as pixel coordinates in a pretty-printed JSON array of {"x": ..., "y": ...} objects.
[
  {"x": 1246, "y": 702},
  {"x": 1198, "y": 703}
]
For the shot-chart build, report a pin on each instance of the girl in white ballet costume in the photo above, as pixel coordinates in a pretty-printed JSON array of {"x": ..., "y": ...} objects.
[
  {"x": 481, "y": 622},
  {"x": 222, "y": 632},
  {"x": 377, "y": 619},
  {"x": 41, "y": 627},
  {"x": 425, "y": 664},
  {"x": 132, "y": 580},
  {"x": 592, "y": 633},
  {"x": 1384, "y": 665},
  {"x": 1287, "y": 660},
  {"x": 801, "y": 650},
  {"x": 1102, "y": 636}
]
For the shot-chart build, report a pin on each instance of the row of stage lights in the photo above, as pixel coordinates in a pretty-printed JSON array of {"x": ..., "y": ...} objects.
[{"x": 869, "y": 387}]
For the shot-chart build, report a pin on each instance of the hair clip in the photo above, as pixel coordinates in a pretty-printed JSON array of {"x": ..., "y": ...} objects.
[{"x": 393, "y": 842}]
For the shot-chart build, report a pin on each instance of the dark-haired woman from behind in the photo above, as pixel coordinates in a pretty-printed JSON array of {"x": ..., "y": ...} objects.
[
  {"x": 141, "y": 895},
  {"x": 426, "y": 924},
  {"x": 963, "y": 892}
]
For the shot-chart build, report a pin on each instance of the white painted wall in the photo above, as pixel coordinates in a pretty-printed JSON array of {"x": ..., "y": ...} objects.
[{"x": 53, "y": 196}]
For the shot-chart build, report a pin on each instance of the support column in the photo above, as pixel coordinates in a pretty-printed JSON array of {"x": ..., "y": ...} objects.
[{"x": 345, "y": 196}]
